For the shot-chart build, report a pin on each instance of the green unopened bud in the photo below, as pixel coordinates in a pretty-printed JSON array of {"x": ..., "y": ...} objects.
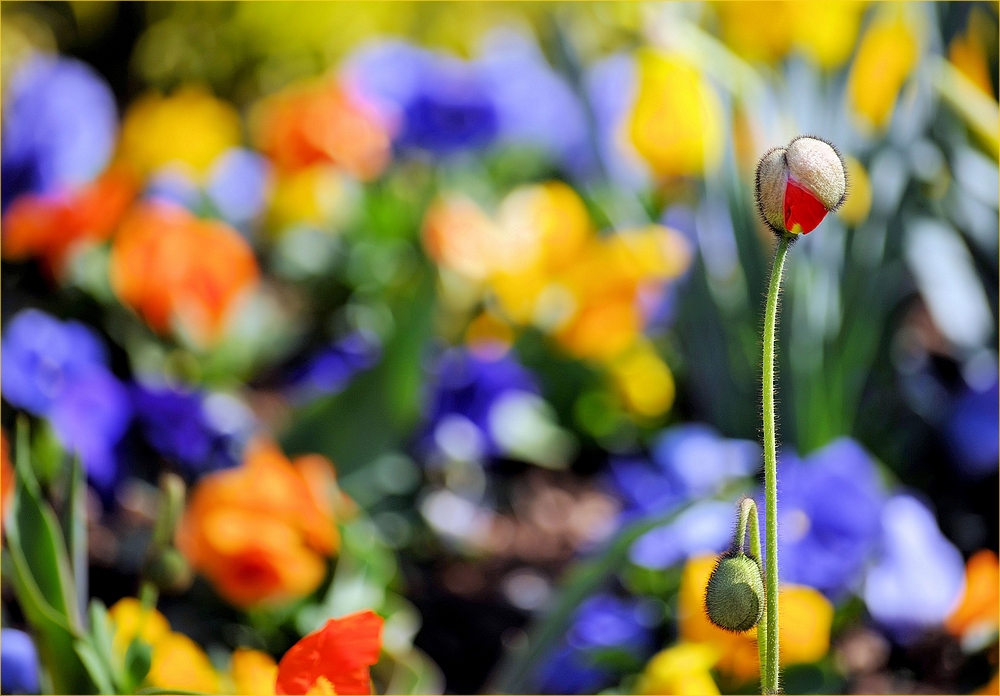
[
  {"x": 798, "y": 185},
  {"x": 734, "y": 598},
  {"x": 169, "y": 571}
]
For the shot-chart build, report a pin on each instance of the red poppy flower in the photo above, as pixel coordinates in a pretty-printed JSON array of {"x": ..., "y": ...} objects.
[{"x": 335, "y": 659}]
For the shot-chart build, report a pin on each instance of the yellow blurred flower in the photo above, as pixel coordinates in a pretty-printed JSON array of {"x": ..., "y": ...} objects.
[
  {"x": 825, "y": 31},
  {"x": 189, "y": 128},
  {"x": 859, "y": 203},
  {"x": 130, "y": 620},
  {"x": 680, "y": 669},
  {"x": 177, "y": 661},
  {"x": 320, "y": 195},
  {"x": 805, "y": 617},
  {"x": 643, "y": 380},
  {"x": 254, "y": 673},
  {"x": 542, "y": 263},
  {"x": 758, "y": 31},
  {"x": 886, "y": 56},
  {"x": 676, "y": 123}
]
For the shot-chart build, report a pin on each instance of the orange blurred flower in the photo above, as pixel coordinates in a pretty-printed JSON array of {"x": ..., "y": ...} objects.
[
  {"x": 977, "y": 618},
  {"x": 50, "y": 226},
  {"x": 318, "y": 122},
  {"x": 261, "y": 533},
  {"x": 805, "y": 617},
  {"x": 335, "y": 659},
  {"x": 171, "y": 267}
]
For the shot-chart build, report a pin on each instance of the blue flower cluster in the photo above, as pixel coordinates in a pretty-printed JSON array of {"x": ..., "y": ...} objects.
[
  {"x": 59, "y": 370},
  {"x": 60, "y": 127},
  {"x": 602, "y": 623},
  {"x": 466, "y": 388},
  {"x": 330, "y": 369},
  {"x": 441, "y": 104}
]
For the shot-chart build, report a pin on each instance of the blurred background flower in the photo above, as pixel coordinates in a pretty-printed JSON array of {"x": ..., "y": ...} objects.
[{"x": 499, "y": 262}]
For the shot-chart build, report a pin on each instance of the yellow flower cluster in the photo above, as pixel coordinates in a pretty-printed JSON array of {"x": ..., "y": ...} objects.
[
  {"x": 188, "y": 129},
  {"x": 805, "y": 617},
  {"x": 180, "y": 663},
  {"x": 540, "y": 262}
]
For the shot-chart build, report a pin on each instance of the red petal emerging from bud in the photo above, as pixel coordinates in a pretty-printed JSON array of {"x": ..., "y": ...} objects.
[{"x": 803, "y": 211}]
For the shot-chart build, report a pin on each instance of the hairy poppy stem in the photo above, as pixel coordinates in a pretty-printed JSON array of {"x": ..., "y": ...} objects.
[
  {"x": 769, "y": 665},
  {"x": 748, "y": 518}
]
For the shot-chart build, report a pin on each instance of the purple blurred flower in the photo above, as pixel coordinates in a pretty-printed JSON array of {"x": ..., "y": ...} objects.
[
  {"x": 329, "y": 370},
  {"x": 690, "y": 461},
  {"x": 42, "y": 355},
  {"x": 973, "y": 431},
  {"x": 60, "y": 125},
  {"x": 828, "y": 517},
  {"x": 438, "y": 102},
  {"x": 466, "y": 389},
  {"x": 201, "y": 432},
  {"x": 705, "y": 527},
  {"x": 58, "y": 370},
  {"x": 238, "y": 185},
  {"x": 18, "y": 663},
  {"x": 174, "y": 185},
  {"x": 602, "y": 622},
  {"x": 90, "y": 417},
  {"x": 535, "y": 104},
  {"x": 611, "y": 88},
  {"x": 920, "y": 576}
]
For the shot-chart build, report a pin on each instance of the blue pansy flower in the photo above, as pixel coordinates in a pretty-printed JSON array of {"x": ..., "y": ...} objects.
[
  {"x": 535, "y": 104},
  {"x": 199, "y": 431},
  {"x": 611, "y": 85},
  {"x": 689, "y": 461},
  {"x": 602, "y": 622},
  {"x": 437, "y": 102},
  {"x": 973, "y": 430},
  {"x": 60, "y": 125},
  {"x": 919, "y": 578},
  {"x": 705, "y": 527},
  {"x": 41, "y": 355},
  {"x": 828, "y": 519},
  {"x": 58, "y": 370},
  {"x": 330, "y": 369},
  {"x": 466, "y": 388},
  {"x": 18, "y": 663},
  {"x": 238, "y": 185}
]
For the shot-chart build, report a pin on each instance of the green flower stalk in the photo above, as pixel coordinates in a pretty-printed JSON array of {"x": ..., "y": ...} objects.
[{"x": 796, "y": 186}]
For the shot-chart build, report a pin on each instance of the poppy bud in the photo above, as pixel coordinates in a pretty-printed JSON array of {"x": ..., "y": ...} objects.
[
  {"x": 797, "y": 186},
  {"x": 734, "y": 598}
]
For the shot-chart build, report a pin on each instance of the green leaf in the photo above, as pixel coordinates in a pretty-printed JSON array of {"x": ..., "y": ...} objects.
[
  {"x": 74, "y": 525},
  {"x": 156, "y": 690},
  {"x": 96, "y": 668},
  {"x": 103, "y": 642},
  {"x": 54, "y": 637},
  {"x": 35, "y": 530},
  {"x": 138, "y": 659}
]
